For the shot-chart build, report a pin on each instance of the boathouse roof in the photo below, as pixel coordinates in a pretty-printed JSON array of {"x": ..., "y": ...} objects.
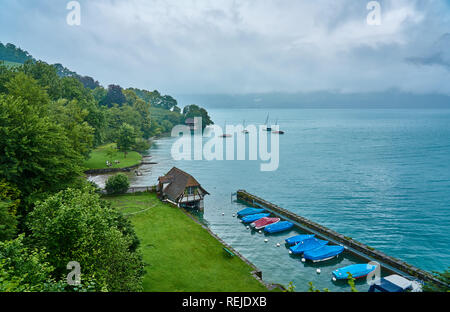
[{"x": 178, "y": 181}]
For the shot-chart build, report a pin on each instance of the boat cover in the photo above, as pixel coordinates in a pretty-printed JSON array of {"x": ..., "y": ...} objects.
[
  {"x": 263, "y": 222},
  {"x": 356, "y": 270},
  {"x": 308, "y": 244},
  {"x": 249, "y": 211},
  {"x": 297, "y": 239},
  {"x": 323, "y": 253},
  {"x": 255, "y": 217},
  {"x": 279, "y": 227}
]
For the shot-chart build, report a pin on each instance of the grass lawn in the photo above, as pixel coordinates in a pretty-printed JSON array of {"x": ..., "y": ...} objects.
[
  {"x": 180, "y": 254},
  {"x": 99, "y": 156}
]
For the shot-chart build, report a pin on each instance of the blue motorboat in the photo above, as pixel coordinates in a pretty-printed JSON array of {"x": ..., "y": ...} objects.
[
  {"x": 250, "y": 211},
  {"x": 279, "y": 227},
  {"x": 306, "y": 245},
  {"x": 323, "y": 253},
  {"x": 255, "y": 217},
  {"x": 356, "y": 270},
  {"x": 294, "y": 240}
]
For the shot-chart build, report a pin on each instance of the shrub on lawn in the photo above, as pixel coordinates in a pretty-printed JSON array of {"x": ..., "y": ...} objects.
[{"x": 117, "y": 184}]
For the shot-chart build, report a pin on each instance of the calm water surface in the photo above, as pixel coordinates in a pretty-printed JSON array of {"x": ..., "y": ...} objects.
[{"x": 379, "y": 176}]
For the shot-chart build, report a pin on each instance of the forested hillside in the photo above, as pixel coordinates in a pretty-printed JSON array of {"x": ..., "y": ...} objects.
[{"x": 50, "y": 120}]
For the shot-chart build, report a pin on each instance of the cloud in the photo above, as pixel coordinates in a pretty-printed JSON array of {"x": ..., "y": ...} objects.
[
  {"x": 438, "y": 55},
  {"x": 239, "y": 46}
]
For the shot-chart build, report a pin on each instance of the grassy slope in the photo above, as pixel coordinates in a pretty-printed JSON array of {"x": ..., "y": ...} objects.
[
  {"x": 99, "y": 157},
  {"x": 181, "y": 255}
]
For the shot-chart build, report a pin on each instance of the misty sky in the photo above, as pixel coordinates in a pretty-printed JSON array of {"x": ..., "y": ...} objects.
[{"x": 241, "y": 46}]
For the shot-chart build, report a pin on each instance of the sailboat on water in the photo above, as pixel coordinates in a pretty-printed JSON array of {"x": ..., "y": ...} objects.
[
  {"x": 245, "y": 129},
  {"x": 278, "y": 131},
  {"x": 225, "y": 135},
  {"x": 268, "y": 128}
]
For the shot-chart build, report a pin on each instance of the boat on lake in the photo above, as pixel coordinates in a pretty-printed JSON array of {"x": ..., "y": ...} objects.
[
  {"x": 245, "y": 131},
  {"x": 279, "y": 227},
  {"x": 356, "y": 270},
  {"x": 294, "y": 240},
  {"x": 255, "y": 217},
  {"x": 263, "y": 222},
  {"x": 323, "y": 253},
  {"x": 278, "y": 131},
  {"x": 307, "y": 244},
  {"x": 225, "y": 135},
  {"x": 250, "y": 211},
  {"x": 268, "y": 128}
]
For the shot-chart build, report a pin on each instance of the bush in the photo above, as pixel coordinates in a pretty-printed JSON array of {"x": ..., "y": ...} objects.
[
  {"x": 76, "y": 225},
  {"x": 141, "y": 145},
  {"x": 117, "y": 184}
]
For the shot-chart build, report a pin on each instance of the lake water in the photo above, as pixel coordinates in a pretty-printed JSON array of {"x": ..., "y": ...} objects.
[{"x": 381, "y": 177}]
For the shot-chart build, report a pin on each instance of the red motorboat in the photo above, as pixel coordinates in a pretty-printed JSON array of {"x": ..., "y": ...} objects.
[{"x": 263, "y": 222}]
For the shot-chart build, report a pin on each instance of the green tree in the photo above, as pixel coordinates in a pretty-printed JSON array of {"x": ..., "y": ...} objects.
[
  {"x": 8, "y": 222},
  {"x": 35, "y": 153},
  {"x": 72, "y": 117},
  {"x": 24, "y": 269},
  {"x": 9, "y": 202},
  {"x": 99, "y": 94},
  {"x": 117, "y": 184},
  {"x": 114, "y": 96},
  {"x": 192, "y": 111},
  {"x": 46, "y": 76},
  {"x": 76, "y": 225},
  {"x": 126, "y": 138}
]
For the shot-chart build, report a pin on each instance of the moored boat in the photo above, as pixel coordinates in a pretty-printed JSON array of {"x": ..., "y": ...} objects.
[
  {"x": 255, "y": 217},
  {"x": 294, "y": 240},
  {"x": 306, "y": 245},
  {"x": 267, "y": 128},
  {"x": 249, "y": 211},
  {"x": 263, "y": 222},
  {"x": 277, "y": 131},
  {"x": 245, "y": 131},
  {"x": 356, "y": 270},
  {"x": 323, "y": 253},
  {"x": 279, "y": 227}
]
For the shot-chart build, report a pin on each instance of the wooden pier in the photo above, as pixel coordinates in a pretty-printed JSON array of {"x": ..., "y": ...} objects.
[{"x": 388, "y": 263}]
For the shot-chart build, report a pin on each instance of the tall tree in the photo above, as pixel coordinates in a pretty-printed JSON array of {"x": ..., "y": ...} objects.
[
  {"x": 114, "y": 96},
  {"x": 193, "y": 110},
  {"x": 126, "y": 138},
  {"x": 35, "y": 153}
]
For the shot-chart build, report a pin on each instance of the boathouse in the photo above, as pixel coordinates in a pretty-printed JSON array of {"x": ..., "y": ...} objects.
[
  {"x": 182, "y": 189},
  {"x": 190, "y": 122}
]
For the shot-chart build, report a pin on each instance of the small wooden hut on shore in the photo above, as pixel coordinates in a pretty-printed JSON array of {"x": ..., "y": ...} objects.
[{"x": 182, "y": 189}]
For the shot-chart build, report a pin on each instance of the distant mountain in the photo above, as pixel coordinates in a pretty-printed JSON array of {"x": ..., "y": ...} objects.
[
  {"x": 325, "y": 99},
  {"x": 14, "y": 56}
]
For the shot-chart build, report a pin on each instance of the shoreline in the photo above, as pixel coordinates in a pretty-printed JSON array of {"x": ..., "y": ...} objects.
[{"x": 227, "y": 265}]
